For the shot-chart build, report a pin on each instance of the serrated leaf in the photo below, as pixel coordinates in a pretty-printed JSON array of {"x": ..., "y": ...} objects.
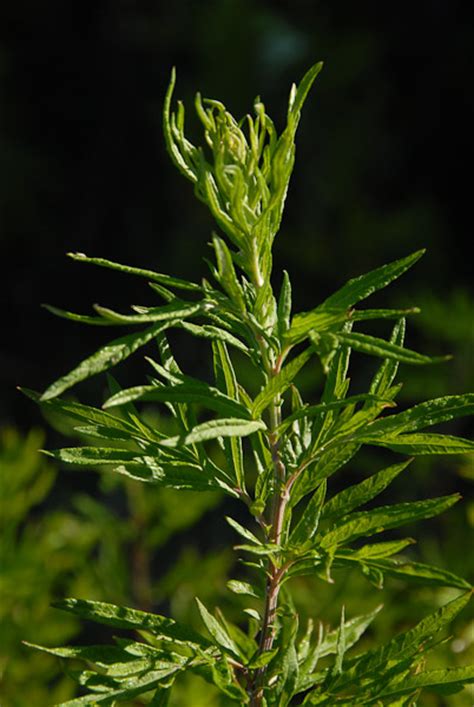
[
  {"x": 431, "y": 412},
  {"x": 226, "y": 381},
  {"x": 373, "y": 346},
  {"x": 318, "y": 320},
  {"x": 149, "y": 274},
  {"x": 284, "y": 306},
  {"x": 109, "y": 355},
  {"x": 310, "y": 411},
  {"x": 176, "y": 310},
  {"x": 214, "y": 333},
  {"x": 357, "y": 495},
  {"x": 388, "y": 369},
  {"x": 377, "y": 520},
  {"x": 223, "y": 427},
  {"x": 404, "y": 645},
  {"x": 279, "y": 383},
  {"x": 124, "y": 617},
  {"x": 196, "y": 392},
  {"x": 218, "y": 632},
  {"x": 361, "y": 287},
  {"x": 243, "y": 532},
  {"x": 80, "y": 318},
  {"x": 239, "y": 587},
  {"x": 418, "y": 572},
  {"x": 375, "y": 551},
  {"x": 309, "y": 521},
  {"x": 361, "y": 315},
  {"x": 419, "y": 444},
  {"x": 227, "y": 275},
  {"x": 448, "y": 677}
]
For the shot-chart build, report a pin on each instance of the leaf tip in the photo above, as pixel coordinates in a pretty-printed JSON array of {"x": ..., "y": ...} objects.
[{"x": 76, "y": 256}]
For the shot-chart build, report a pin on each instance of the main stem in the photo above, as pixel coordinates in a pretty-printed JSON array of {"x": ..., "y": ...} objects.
[{"x": 274, "y": 573}]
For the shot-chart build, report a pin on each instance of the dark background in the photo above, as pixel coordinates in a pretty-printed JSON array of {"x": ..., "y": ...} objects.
[{"x": 381, "y": 163}]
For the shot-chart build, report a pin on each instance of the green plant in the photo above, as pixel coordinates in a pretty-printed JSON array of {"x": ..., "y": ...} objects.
[{"x": 263, "y": 445}]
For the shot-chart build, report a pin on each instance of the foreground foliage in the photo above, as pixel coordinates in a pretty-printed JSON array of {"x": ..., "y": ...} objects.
[{"x": 262, "y": 444}]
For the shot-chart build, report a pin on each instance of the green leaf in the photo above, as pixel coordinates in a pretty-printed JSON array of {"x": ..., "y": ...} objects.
[
  {"x": 279, "y": 383},
  {"x": 230, "y": 427},
  {"x": 309, "y": 521},
  {"x": 426, "y": 414},
  {"x": 214, "y": 333},
  {"x": 309, "y": 411},
  {"x": 244, "y": 532},
  {"x": 226, "y": 380},
  {"x": 384, "y": 518},
  {"x": 81, "y": 318},
  {"x": 387, "y": 371},
  {"x": 319, "y": 320},
  {"x": 361, "y": 315},
  {"x": 124, "y": 617},
  {"x": 375, "y": 551},
  {"x": 358, "y": 494},
  {"x": 77, "y": 411},
  {"x": 196, "y": 392},
  {"x": 109, "y": 355},
  {"x": 149, "y": 274},
  {"x": 418, "y": 444},
  {"x": 239, "y": 587},
  {"x": 456, "y": 678},
  {"x": 402, "y": 646},
  {"x": 418, "y": 572},
  {"x": 227, "y": 275},
  {"x": 361, "y": 287},
  {"x": 373, "y": 346},
  {"x": 284, "y": 306},
  {"x": 285, "y": 663},
  {"x": 299, "y": 93},
  {"x": 176, "y": 310},
  {"x": 218, "y": 632}
]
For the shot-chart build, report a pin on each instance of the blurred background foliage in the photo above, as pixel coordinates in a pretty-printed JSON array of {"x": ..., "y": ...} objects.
[{"x": 381, "y": 153}]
